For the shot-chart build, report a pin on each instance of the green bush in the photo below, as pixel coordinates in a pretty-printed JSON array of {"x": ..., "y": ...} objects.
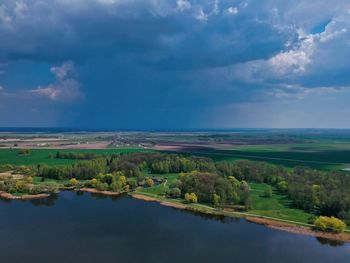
[
  {"x": 216, "y": 199},
  {"x": 73, "y": 182},
  {"x": 102, "y": 186},
  {"x": 267, "y": 192},
  {"x": 24, "y": 152},
  {"x": 44, "y": 188},
  {"x": 132, "y": 182},
  {"x": 330, "y": 224},
  {"x": 149, "y": 182},
  {"x": 173, "y": 192},
  {"x": 191, "y": 198}
]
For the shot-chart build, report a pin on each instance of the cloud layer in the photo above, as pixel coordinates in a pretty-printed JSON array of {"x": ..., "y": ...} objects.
[{"x": 154, "y": 63}]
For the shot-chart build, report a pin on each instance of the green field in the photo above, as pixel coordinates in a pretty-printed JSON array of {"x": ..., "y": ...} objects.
[
  {"x": 329, "y": 156},
  {"x": 277, "y": 206},
  {"x": 41, "y": 156},
  {"x": 159, "y": 189}
]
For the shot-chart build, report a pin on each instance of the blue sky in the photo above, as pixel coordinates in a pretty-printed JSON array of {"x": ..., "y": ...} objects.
[{"x": 174, "y": 64}]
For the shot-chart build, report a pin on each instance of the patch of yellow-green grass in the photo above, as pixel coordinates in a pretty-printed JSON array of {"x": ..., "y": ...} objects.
[
  {"x": 159, "y": 189},
  {"x": 277, "y": 206}
]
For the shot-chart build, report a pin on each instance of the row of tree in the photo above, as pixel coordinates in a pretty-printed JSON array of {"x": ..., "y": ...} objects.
[
  {"x": 215, "y": 189},
  {"x": 325, "y": 193},
  {"x": 75, "y": 155}
]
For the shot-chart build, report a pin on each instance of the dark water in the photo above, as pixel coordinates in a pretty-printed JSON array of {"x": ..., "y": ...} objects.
[{"x": 82, "y": 228}]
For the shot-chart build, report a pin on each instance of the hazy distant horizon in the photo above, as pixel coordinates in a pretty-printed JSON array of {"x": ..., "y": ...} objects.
[{"x": 84, "y": 129}]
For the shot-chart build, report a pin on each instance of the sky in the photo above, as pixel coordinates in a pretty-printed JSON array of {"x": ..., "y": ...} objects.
[{"x": 175, "y": 64}]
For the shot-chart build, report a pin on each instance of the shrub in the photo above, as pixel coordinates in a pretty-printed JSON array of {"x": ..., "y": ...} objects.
[
  {"x": 174, "y": 192},
  {"x": 191, "y": 198},
  {"x": 149, "y": 182},
  {"x": 28, "y": 179},
  {"x": 116, "y": 186},
  {"x": 93, "y": 182},
  {"x": 73, "y": 182},
  {"x": 21, "y": 186},
  {"x": 175, "y": 184},
  {"x": 102, "y": 186},
  {"x": 132, "y": 182},
  {"x": 330, "y": 224},
  {"x": 216, "y": 199},
  {"x": 44, "y": 188},
  {"x": 268, "y": 192},
  {"x": 282, "y": 186},
  {"x": 9, "y": 185},
  {"x": 23, "y": 152}
]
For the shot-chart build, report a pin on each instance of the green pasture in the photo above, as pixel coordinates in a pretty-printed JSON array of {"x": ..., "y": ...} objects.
[
  {"x": 158, "y": 189},
  {"x": 277, "y": 206},
  {"x": 42, "y": 156},
  {"x": 320, "y": 156}
]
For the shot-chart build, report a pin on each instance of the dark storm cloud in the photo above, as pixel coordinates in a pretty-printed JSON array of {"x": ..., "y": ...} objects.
[{"x": 158, "y": 62}]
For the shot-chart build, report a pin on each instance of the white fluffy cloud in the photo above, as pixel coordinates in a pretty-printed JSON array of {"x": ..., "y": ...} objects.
[
  {"x": 294, "y": 60},
  {"x": 183, "y": 5},
  {"x": 66, "y": 89},
  {"x": 63, "y": 71},
  {"x": 232, "y": 10}
]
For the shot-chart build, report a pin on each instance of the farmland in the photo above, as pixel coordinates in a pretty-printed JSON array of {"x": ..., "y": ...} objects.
[{"x": 46, "y": 156}]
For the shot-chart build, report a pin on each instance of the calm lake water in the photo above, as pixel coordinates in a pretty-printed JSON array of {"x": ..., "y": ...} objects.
[{"x": 81, "y": 228}]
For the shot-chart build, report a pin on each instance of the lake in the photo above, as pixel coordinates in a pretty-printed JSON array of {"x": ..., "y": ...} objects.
[{"x": 73, "y": 227}]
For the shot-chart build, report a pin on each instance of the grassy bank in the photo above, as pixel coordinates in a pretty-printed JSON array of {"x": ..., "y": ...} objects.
[{"x": 277, "y": 207}]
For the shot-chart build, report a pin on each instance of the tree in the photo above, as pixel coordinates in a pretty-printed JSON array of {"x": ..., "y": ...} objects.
[
  {"x": 73, "y": 182},
  {"x": 132, "y": 182},
  {"x": 28, "y": 179},
  {"x": 268, "y": 192},
  {"x": 93, "y": 182},
  {"x": 149, "y": 182},
  {"x": 282, "y": 186},
  {"x": 24, "y": 152},
  {"x": 330, "y": 224},
  {"x": 191, "y": 198},
  {"x": 174, "y": 192},
  {"x": 102, "y": 186},
  {"x": 216, "y": 199},
  {"x": 20, "y": 186}
]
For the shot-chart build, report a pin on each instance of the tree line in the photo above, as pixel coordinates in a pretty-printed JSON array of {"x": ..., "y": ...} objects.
[{"x": 318, "y": 192}]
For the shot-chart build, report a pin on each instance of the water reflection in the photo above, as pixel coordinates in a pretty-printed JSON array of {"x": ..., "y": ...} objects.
[
  {"x": 220, "y": 218},
  {"x": 48, "y": 201},
  {"x": 330, "y": 242}
]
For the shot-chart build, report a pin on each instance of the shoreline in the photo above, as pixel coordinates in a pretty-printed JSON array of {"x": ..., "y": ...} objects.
[
  {"x": 9, "y": 196},
  {"x": 297, "y": 229},
  {"x": 147, "y": 198},
  {"x": 274, "y": 224},
  {"x": 95, "y": 191},
  {"x": 271, "y": 223}
]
